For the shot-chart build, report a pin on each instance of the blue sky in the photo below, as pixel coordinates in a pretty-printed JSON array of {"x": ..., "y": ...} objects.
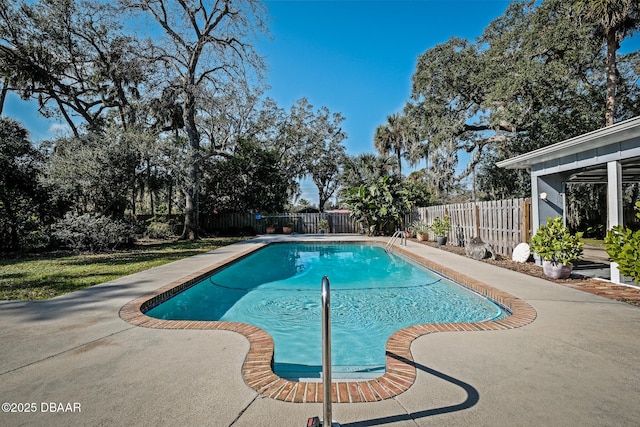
[
  {"x": 357, "y": 57},
  {"x": 354, "y": 57}
]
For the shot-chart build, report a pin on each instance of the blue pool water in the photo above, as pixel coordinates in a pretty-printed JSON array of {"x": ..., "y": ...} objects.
[{"x": 373, "y": 294}]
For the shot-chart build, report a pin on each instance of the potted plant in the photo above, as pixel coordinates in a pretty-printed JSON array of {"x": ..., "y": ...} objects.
[
  {"x": 421, "y": 229},
  {"x": 441, "y": 227},
  {"x": 323, "y": 226},
  {"x": 623, "y": 247},
  {"x": 270, "y": 225},
  {"x": 287, "y": 228},
  {"x": 557, "y": 247}
]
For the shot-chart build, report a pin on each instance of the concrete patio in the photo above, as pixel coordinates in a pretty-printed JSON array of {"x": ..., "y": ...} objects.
[{"x": 576, "y": 364}]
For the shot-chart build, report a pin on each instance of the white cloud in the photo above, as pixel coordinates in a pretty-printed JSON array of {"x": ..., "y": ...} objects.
[{"x": 59, "y": 129}]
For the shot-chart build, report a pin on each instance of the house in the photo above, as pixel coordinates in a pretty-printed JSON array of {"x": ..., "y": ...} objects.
[{"x": 610, "y": 156}]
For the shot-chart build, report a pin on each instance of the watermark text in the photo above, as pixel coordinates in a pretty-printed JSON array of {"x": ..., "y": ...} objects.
[{"x": 42, "y": 407}]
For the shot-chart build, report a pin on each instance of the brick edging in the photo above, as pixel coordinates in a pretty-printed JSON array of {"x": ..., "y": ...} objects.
[{"x": 400, "y": 371}]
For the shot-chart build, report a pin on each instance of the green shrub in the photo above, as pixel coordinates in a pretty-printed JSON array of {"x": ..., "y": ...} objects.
[
  {"x": 159, "y": 227},
  {"x": 36, "y": 240},
  {"x": 419, "y": 227},
  {"x": 441, "y": 226},
  {"x": 623, "y": 246},
  {"x": 159, "y": 230},
  {"x": 93, "y": 233},
  {"x": 380, "y": 206},
  {"x": 553, "y": 242},
  {"x": 31, "y": 234}
]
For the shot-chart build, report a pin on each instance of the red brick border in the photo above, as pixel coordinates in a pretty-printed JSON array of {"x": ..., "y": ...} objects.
[{"x": 400, "y": 371}]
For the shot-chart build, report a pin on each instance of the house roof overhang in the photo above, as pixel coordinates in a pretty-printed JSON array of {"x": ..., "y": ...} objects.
[
  {"x": 596, "y": 141},
  {"x": 620, "y": 132}
]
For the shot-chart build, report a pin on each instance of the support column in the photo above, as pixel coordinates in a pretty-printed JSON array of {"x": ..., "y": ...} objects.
[
  {"x": 614, "y": 206},
  {"x": 535, "y": 205},
  {"x": 547, "y": 200}
]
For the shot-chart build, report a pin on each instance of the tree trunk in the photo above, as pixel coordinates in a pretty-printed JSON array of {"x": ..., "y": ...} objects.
[
  {"x": 150, "y": 187},
  {"x": 170, "y": 198},
  {"x": 191, "y": 196},
  {"x": 612, "y": 47},
  {"x": 321, "y": 200},
  {"x": 133, "y": 200},
  {"x": 3, "y": 96},
  {"x": 192, "y": 188},
  {"x": 189, "y": 230}
]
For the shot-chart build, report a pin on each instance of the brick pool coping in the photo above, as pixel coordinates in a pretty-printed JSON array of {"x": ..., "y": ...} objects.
[{"x": 400, "y": 371}]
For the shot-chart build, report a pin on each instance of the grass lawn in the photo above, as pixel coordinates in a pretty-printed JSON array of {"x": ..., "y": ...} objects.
[
  {"x": 45, "y": 276},
  {"x": 593, "y": 242}
]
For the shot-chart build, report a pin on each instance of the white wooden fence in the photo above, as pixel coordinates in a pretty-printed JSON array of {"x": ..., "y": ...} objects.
[{"x": 501, "y": 223}]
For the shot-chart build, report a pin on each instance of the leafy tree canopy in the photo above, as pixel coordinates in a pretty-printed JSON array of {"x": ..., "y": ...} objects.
[
  {"x": 97, "y": 171},
  {"x": 532, "y": 79},
  {"x": 24, "y": 202},
  {"x": 249, "y": 181},
  {"x": 73, "y": 58}
]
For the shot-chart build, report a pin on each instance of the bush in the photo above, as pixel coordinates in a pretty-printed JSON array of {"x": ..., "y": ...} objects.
[
  {"x": 380, "y": 206},
  {"x": 623, "y": 247},
  {"x": 441, "y": 227},
  {"x": 159, "y": 228},
  {"x": 93, "y": 233},
  {"x": 26, "y": 234},
  {"x": 420, "y": 227},
  {"x": 36, "y": 240},
  {"x": 554, "y": 243}
]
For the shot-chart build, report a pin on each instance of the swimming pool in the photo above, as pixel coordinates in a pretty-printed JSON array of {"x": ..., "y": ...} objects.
[{"x": 373, "y": 295}]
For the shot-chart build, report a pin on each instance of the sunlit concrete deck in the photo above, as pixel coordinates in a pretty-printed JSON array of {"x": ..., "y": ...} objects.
[{"x": 576, "y": 364}]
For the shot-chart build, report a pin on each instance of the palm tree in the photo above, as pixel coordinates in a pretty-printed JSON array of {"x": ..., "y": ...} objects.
[
  {"x": 615, "y": 19},
  {"x": 396, "y": 136},
  {"x": 384, "y": 138},
  {"x": 365, "y": 168}
]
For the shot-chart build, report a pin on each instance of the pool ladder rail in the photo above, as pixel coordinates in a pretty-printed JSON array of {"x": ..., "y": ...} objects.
[
  {"x": 403, "y": 240},
  {"x": 326, "y": 360}
]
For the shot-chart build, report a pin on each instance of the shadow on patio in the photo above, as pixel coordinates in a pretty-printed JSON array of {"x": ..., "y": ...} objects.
[{"x": 472, "y": 398}]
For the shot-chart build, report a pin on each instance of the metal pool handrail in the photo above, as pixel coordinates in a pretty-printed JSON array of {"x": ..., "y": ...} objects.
[
  {"x": 326, "y": 351},
  {"x": 398, "y": 233},
  {"x": 326, "y": 360}
]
